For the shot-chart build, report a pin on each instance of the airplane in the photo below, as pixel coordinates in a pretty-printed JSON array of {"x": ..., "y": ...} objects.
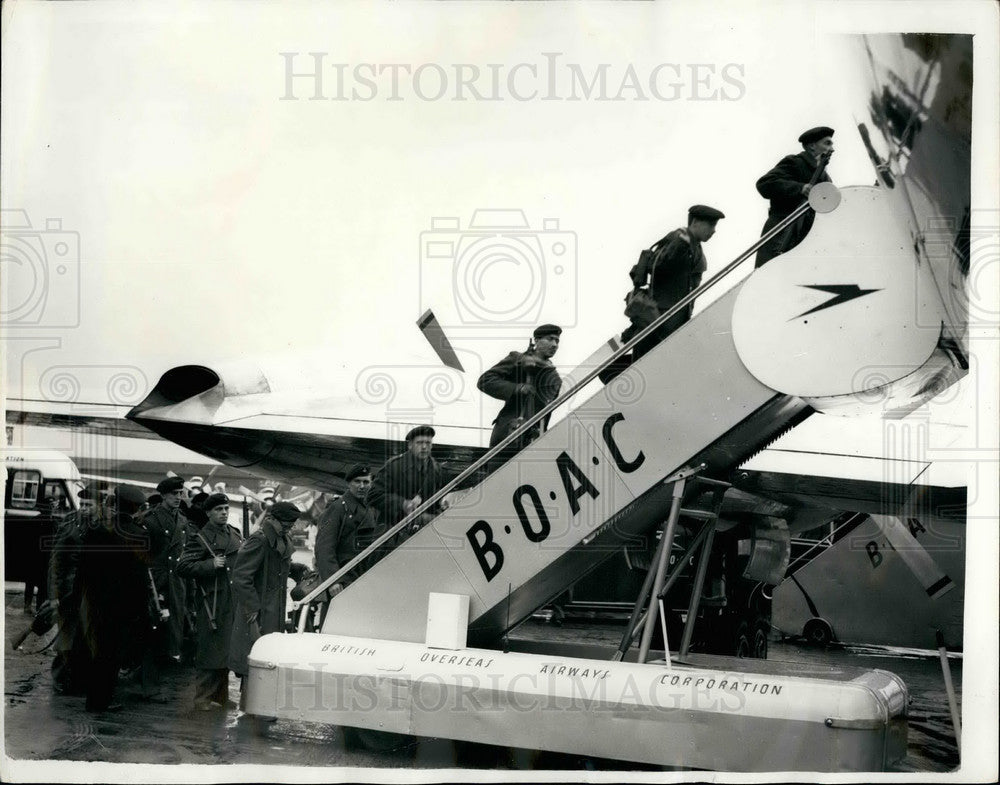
[{"x": 709, "y": 425}]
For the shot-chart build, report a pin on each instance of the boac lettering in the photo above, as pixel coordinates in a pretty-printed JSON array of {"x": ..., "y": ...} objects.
[
  {"x": 568, "y": 471},
  {"x": 484, "y": 548},
  {"x": 543, "y": 519},
  {"x": 616, "y": 453},
  {"x": 915, "y": 526},
  {"x": 873, "y": 553}
]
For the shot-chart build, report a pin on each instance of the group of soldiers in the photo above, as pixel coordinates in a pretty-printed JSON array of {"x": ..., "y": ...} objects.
[
  {"x": 125, "y": 578},
  {"x": 527, "y": 381},
  {"x": 131, "y": 583}
]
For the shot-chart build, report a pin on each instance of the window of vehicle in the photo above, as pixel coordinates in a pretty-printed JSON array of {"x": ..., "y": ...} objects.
[
  {"x": 24, "y": 489},
  {"x": 55, "y": 498}
]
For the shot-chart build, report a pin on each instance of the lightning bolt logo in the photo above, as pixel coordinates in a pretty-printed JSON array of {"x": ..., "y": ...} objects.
[{"x": 842, "y": 293}]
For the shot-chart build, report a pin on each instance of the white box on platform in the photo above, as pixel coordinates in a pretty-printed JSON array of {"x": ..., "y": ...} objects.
[{"x": 447, "y": 620}]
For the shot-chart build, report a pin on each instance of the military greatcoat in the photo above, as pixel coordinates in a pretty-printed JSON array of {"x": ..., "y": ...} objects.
[
  {"x": 260, "y": 585},
  {"x": 783, "y": 186},
  {"x": 213, "y": 590}
]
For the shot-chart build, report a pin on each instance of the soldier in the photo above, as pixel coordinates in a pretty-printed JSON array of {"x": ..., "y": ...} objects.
[
  {"x": 788, "y": 185},
  {"x": 114, "y": 594},
  {"x": 525, "y": 382},
  {"x": 676, "y": 270},
  {"x": 208, "y": 559},
  {"x": 408, "y": 479},
  {"x": 168, "y": 529},
  {"x": 69, "y": 664},
  {"x": 260, "y": 579},
  {"x": 347, "y": 527}
]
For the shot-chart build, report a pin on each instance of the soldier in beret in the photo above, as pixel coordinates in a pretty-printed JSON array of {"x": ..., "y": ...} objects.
[
  {"x": 346, "y": 528},
  {"x": 787, "y": 185},
  {"x": 168, "y": 531},
  {"x": 208, "y": 559},
  {"x": 405, "y": 481},
  {"x": 675, "y": 270},
  {"x": 260, "y": 583},
  {"x": 526, "y": 382}
]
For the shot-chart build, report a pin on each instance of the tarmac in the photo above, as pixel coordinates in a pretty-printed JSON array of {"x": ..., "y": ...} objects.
[{"x": 43, "y": 730}]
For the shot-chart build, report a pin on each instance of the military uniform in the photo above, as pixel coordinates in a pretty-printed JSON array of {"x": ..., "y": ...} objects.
[
  {"x": 783, "y": 186},
  {"x": 213, "y": 590},
  {"x": 168, "y": 532},
  {"x": 346, "y": 528},
  {"x": 401, "y": 478},
  {"x": 679, "y": 266},
  {"x": 260, "y": 585},
  {"x": 69, "y": 664},
  {"x": 503, "y": 380},
  {"x": 114, "y": 599}
]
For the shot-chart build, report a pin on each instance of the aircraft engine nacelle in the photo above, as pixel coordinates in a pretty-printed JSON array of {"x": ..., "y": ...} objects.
[{"x": 197, "y": 393}]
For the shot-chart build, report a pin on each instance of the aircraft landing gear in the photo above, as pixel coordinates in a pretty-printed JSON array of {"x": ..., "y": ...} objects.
[{"x": 818, "y": 632}]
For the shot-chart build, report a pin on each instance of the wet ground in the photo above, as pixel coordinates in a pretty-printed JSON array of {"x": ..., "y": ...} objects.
[{"x": 41, "y": 726}]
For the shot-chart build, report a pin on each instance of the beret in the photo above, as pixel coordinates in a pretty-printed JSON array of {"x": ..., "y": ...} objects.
[
  {"x": 420, "y": 430},
  {"x": 285, "y": 511},
  {"x": 544, "y": 330},
  {"x": 358, "y": 470},
  {"x": 705, "y": 212},
  {"x": 215, "y": 500},
  {"x": 170, "y": 484},
  {"x": 130, "y": 496},
  {"x": 197, "y": 516},
  {"x": 815, "y": 134}
]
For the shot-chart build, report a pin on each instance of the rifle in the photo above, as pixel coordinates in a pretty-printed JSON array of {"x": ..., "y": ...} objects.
[
  {"x": 162, "y": 614},
  {"x": 209, "y": 611},
  {"x": 215, "y": 583}
]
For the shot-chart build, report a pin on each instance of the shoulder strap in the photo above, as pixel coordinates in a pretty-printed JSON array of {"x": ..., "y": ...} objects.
[
  {"x": 656, "y": 256},
  {"x": 660, "y": 242}
]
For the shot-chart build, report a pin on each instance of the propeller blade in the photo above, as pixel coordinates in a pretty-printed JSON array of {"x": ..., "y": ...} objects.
[{"x": 439, "y": 342}]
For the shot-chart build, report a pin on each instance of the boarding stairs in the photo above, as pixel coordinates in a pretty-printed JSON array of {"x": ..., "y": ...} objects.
[
  {"x": 593, "y": 482},
  {"x": 614, "y": 469}
]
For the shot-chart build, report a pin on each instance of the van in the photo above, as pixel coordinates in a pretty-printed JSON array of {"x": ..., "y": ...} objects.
[{"x": 41, "y": 490}]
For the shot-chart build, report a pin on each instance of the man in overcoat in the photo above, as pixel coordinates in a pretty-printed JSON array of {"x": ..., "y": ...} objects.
[
  {"x": 260, "y": 582},
  {"x": 208, "y": 559},
  {"x": 346, "y": 528},
  {"x": 114, "y": 593},
  {"x": 525, "y": 382},
  {"x": 168, "y": 531},
  {"x": 407, "y": 480},
  {"x": 69, "y": 664},
  {"x": 788, "y": 184}
]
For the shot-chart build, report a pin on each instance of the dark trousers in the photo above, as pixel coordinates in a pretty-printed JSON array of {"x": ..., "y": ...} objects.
[
  {"x": 212, "y": 685},
  {"x": 649, "y": 342},
  {"x": 69, "y": 666},
  {"x": 29, "y": 593},
  {"x": 102, "y": 679}
]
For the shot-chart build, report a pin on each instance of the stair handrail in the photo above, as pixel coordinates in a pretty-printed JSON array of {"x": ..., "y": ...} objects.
[{"x": 530, "y": 423}]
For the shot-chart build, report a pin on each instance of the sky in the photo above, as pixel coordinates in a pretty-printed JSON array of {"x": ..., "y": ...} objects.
[{"x": 214, "y": 206}]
